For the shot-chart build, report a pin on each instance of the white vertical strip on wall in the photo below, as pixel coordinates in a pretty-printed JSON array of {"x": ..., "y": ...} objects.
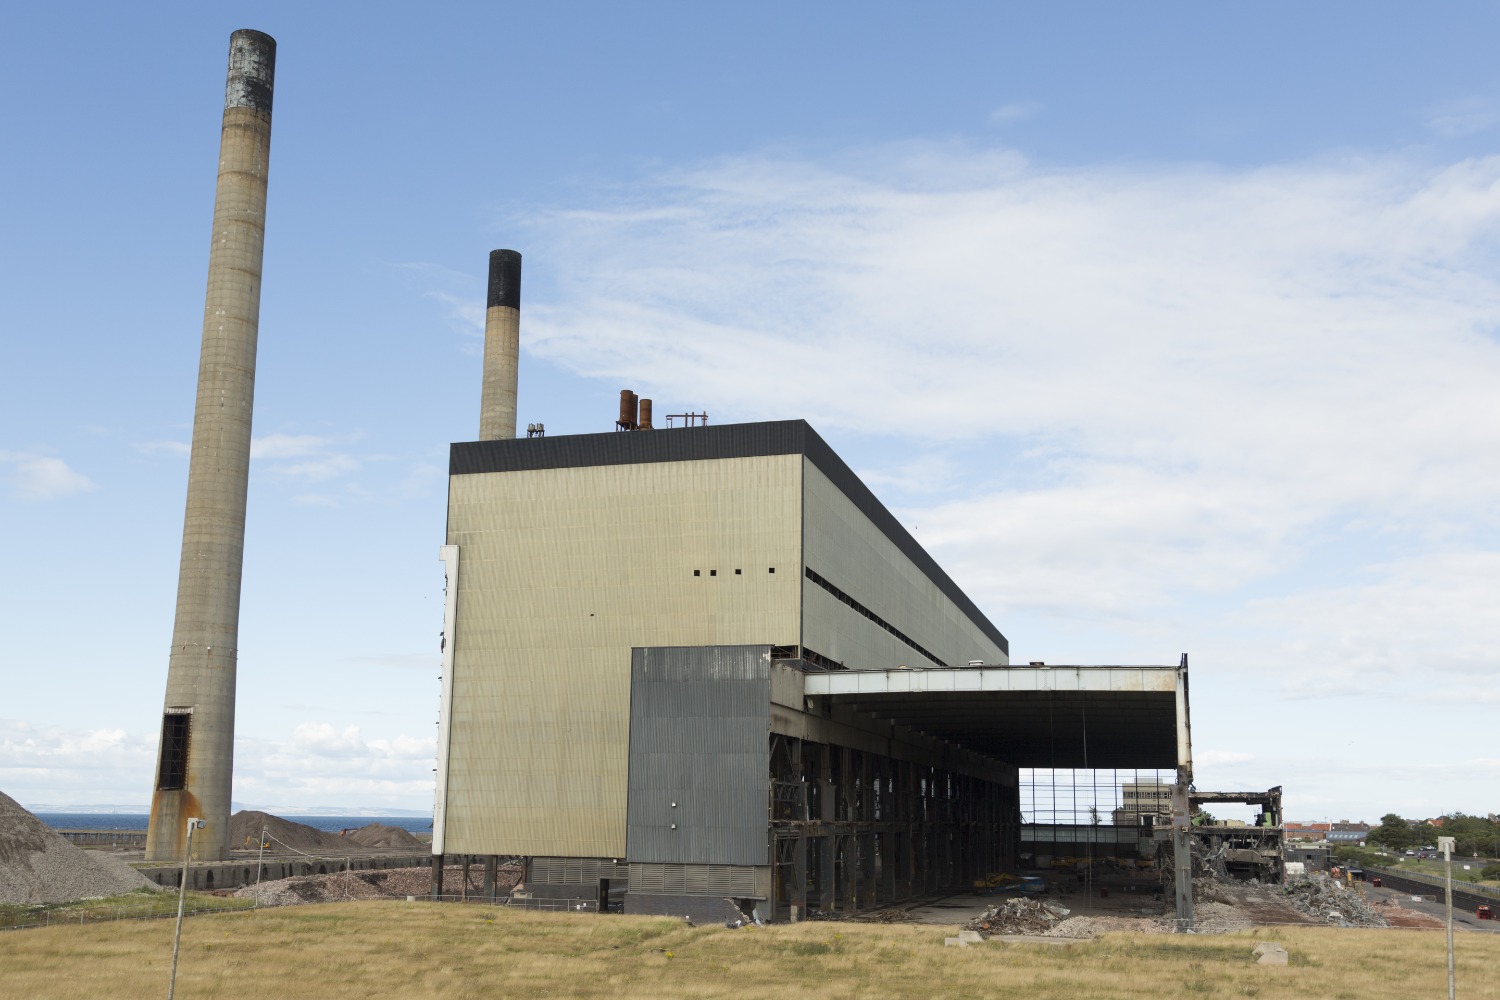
[{"x": 448, "y": 556}]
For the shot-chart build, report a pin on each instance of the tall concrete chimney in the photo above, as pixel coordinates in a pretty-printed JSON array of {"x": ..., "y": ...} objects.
[
  {"x": 195, "y": 762},
  {"x": 502, "y": 347}
]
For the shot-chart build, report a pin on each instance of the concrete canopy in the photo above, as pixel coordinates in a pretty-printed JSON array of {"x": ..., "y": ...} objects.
[{"x": 1032, "y": 717}]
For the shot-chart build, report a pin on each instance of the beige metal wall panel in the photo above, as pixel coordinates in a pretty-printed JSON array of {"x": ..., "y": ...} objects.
[
  {"x": 565, "y": 570},
  {"x": 845, "y": 548}
]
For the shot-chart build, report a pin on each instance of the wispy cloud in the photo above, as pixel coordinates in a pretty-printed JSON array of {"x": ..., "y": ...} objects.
[
  {"x": 32, "y": 476},
  {"x": 178, "y": 448},
  {"x": 1468, "y": 116},
  {"x": 1208, "y": 386},
  {"x": 308, "y": 458},
  {"x": 1006, "y": 114}
]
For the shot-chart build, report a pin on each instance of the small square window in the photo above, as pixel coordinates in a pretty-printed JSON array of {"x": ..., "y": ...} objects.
[
  {"x": 772, "y": 569},
  {"x": 697, "y": 572},
  {"x": 713, "y": 572},
  {"x": 736, "y": 572}
]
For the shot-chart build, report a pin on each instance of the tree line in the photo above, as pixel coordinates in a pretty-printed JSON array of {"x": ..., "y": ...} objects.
[{"x": 1472, "y": 835}]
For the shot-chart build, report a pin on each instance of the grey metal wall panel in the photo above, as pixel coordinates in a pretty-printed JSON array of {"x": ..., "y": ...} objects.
[
  {"x": 775, "y": 437},
  {"x": 699, "y": 755}
]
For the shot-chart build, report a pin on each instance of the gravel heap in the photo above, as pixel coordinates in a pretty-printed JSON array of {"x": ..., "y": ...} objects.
[
  {"x": 390, "y": 883},
  {"x": 378, "y": 835},
  {"x": 1330, "y": 900},
  {"x": 245, "y": 827},
  {"x": 38, "y": 866}
]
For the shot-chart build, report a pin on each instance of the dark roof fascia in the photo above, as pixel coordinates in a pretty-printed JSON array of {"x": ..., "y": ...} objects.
[{"x": 722, "y": 441}]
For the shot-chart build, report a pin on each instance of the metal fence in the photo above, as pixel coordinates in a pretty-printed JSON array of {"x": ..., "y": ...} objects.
[
  {"x": 13, "y": 918},
  {"x": 1466, "y": 895}
]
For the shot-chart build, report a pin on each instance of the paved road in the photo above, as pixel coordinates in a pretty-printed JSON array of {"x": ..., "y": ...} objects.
[{"x": 1461, "y": 919}]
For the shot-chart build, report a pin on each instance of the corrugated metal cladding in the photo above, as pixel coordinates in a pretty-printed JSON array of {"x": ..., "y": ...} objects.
[
  {"x": 578, "y": 871},
  {"x": 699, "y": 880},
  {"x": 564, "y": 572},
  {"x": 841, "y": 545},
  {"x": 725, "y": 441},
  {"x": 699, "y": 756}
]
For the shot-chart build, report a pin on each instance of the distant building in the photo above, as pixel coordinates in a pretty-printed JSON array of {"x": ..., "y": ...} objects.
[
  {"x": 1345, "y": 832},
  {"x": 1144, "y": 803},
  {"x": 1307, "y": 831}
]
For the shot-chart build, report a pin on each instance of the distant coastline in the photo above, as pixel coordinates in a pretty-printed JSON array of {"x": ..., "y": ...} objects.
[{"x": 138, "y": 821}]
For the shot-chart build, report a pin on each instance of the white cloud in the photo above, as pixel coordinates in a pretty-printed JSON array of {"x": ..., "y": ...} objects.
[
  {"x": 42, "y": 477},
  {"x": 60, "y": 766},
  {"x": 1247, "y": 411},
  {"x": 1014, "y": 112},
  {"x": 1221, "y": 758},
  {"x": 1468, "y": 116},
  {"x": 274, "y": 446},
  {"x": 308, "y": 458},
  {"x": 180, "y": 448},
  {"x": 318, "y": 764}
]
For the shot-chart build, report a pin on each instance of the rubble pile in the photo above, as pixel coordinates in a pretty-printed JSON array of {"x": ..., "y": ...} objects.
[
  {"x": 1331, "y": 901},
  {"x": 1018, "y": 916},
  {"x": 38, "y": 866},
  {"x": 389, "y": 883}
]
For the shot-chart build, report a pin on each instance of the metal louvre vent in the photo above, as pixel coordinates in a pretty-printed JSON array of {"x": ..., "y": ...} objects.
[
  {"x": 693, "y": 880},
  {"x": 176, "y": 728},
  {"x": 576, "y": 871}
]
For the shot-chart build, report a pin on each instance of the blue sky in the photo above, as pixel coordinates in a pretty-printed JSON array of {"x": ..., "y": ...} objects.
[{"x": 1167, "y": 329}]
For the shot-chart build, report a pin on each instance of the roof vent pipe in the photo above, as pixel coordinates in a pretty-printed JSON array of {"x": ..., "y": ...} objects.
[{"x": 502, "y": 348}]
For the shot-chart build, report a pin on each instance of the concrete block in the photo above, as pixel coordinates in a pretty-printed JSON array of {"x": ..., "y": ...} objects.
[
  {"x": 1269, "y": 953},
  {"x": 970, "y": 937},
  {"x": 954, "y": 942}
]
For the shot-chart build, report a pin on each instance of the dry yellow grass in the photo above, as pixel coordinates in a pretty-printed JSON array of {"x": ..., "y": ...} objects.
[{"x": 395, "y": 949}]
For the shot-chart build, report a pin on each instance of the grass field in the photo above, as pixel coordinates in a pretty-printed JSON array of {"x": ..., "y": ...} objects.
[
  {"x": 397, "y": 949},
  {"x": 137, "y": 904}
]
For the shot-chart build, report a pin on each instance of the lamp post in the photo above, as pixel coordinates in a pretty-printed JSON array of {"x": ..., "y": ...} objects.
[
  {"x": 193, "y": 823},
  {"x": 1445, "y": 844}
]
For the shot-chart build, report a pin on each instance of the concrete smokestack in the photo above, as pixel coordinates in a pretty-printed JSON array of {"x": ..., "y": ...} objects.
[
  {"x": 502, "y": 347},
  {"x": 195, "y": 762}
]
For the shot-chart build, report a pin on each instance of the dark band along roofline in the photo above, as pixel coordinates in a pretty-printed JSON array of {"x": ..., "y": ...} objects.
[{"x": 696, "y": 444}]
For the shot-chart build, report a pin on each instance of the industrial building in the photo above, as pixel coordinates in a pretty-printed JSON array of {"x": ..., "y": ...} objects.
[{"x": 705, "y": 664}]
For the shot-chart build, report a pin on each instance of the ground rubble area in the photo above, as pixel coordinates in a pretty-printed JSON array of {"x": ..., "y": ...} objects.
[
  {"x": 1221, "y": 906},
  {"x": 389, "y": 883}
]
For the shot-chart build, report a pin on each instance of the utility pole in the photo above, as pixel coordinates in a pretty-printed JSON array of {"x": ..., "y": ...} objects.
[
  {"x": 193, "y": 823},
  {"x": 1445, "y": 844}
]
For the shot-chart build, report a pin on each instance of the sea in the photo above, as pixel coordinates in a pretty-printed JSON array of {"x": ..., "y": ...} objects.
[{"x": 138, "y": 821}]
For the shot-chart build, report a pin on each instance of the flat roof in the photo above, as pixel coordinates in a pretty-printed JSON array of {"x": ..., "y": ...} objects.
[
  {"x": 697, "y": 444},
  {"x": 1108, "y": 717}
]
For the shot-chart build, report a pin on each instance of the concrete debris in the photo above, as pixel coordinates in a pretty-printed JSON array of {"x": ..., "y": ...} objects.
[
  {"x": 1331, "y": 901},
  {"x": 1269, "y": 953},
  {"x": 38, "y": 866},
  {"x": 1018, "y": 916},
  {"x": 389, "y": 883}
]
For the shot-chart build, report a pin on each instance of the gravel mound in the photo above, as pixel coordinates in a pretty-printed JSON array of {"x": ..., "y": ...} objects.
[
  {"x": 245, "y": 827},
  {"x": 38, "y": 866},
  {"x": 378, "y": 835}
]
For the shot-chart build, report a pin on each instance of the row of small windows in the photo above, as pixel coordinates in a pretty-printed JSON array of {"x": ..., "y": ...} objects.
[
  {"x": 872, "y": 616},
  {"x": 714, "y": 572}
]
